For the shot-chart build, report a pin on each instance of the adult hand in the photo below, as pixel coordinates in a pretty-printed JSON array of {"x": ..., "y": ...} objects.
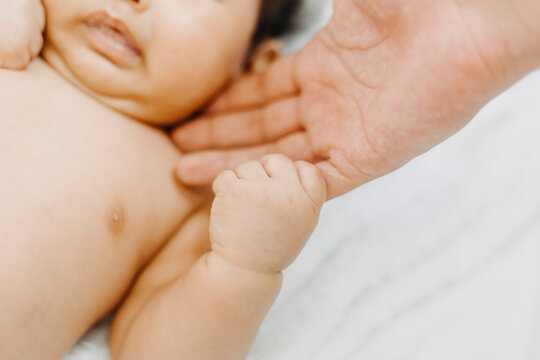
[{"x": 385, "y": 81}]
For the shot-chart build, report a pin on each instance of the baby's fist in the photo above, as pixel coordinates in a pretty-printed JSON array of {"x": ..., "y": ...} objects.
[
  {"x": 21, "y": 32},
  {"x": 265, "y": 211}
]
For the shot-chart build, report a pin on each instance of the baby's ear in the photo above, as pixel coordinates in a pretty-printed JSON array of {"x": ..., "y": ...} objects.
[{"x": 266, "y": 53}]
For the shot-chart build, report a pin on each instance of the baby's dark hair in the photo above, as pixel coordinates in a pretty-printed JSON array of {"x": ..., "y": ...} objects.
[{"x": 276, "y": 19}]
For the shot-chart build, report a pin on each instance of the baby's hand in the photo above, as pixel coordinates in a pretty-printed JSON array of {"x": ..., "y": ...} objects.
[
  {"x": 265, "y": 211},
  {"x": 21, "y": 32}
]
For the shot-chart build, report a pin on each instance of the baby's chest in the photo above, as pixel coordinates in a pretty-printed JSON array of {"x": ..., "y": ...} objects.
[{"x": 86, "y": 168}]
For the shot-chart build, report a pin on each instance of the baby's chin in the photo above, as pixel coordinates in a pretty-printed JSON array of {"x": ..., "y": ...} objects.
[
  {"x": 108, "y": 87},
  {"x": 155, "y": 113}
]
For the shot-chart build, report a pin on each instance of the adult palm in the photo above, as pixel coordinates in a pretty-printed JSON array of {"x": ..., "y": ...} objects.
[{"x": 385, "y": 81}]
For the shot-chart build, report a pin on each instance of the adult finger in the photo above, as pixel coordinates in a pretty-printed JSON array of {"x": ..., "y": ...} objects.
[
  {"x": 201, "y": 168},
  {"x": 256, "y": 90},
  {"x": 245, "y": 128},
  {"x": 340, "y": 176}
]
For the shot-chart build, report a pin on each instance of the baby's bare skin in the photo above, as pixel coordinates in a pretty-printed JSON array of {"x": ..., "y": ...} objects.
[
  {"x": 75, "y": 227},
  {"x": 261, "y": 217},
  {"x": 77, "y": 230}
]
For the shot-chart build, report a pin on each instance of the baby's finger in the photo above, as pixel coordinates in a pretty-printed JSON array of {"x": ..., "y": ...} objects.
[
  {"x": 39, "y": 16},
  {"x": 16, "y": 60},
  {"x": 280, "y": 167},
  {"x": 224, "y": 180},
  {"x": 251, "y": 170},
  {"x": 35, "y": 45}
]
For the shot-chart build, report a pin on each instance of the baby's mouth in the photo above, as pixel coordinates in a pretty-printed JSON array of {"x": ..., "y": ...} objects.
[{"x": 113, "y": 39}]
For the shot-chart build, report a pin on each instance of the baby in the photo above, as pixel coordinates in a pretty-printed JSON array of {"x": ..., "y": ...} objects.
[{"x": 91, "y": 217}]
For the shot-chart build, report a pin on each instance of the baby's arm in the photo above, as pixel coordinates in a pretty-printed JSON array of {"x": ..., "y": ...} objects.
[
  {"x": 262, "y": 216},
  {"x": 21, "y": 32}
]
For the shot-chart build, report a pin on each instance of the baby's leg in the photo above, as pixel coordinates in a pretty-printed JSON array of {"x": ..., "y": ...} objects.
[{"x": 262, "y": 215}]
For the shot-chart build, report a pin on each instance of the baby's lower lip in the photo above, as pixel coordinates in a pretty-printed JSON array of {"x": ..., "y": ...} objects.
[{"x": 112, "y": 39}]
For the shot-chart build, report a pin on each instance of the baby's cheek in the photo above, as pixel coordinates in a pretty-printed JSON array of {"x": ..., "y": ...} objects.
[
  {"x": 190, "y": 61},
  {"x": 183, "y": 87}
]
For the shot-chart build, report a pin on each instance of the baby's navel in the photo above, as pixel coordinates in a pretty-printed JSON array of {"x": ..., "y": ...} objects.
[{"x": 116, "y": 220}]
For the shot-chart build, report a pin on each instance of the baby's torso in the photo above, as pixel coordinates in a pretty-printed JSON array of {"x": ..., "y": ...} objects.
[{"x": 78, "y": 177}]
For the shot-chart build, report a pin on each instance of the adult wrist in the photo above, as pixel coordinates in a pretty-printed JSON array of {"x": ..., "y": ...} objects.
[
  {"x": 529, "y": 11},
  {"x": 514, "y": 30}
]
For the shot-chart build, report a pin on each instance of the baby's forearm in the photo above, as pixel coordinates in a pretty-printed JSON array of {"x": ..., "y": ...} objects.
[
  {"x": 213, "y": 313},
  {"x": 261, "y": 218}
]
